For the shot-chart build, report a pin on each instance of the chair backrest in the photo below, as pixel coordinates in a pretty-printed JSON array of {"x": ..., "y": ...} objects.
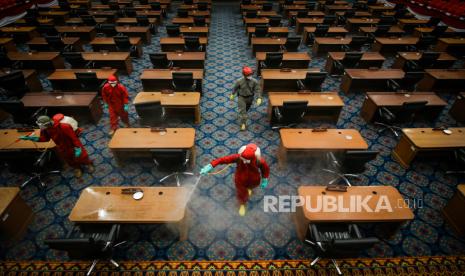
[
  {"x": 351, "y": 59},
  {"x": 310, "y": 6},
  {"x": 354, "y": 160},
  {"x": 122, "y": 42},
  {"x": 15, "y": 108},
  {"x": 439, "y": 30},
  {"x": 142, "y": 20},
  {"x": 77, "y": 248},
  {"x": 358, "y": 41},
  {"x": 47, "y": 30},
  {"x": 192, "y": 43},
  {"x": 5, "y": 60},
  {"x": 288, "y": 2},
  {"x": 348, "y": 246},
  {"x": 88, "y": 20},
  {"x": 302, "y": 14},
  {"x": 267, "y": 6},
  {"x": 386, "y": 20},
  {"x": 159, "y": 60},
  {"x": 246, "y": 2},
  {"x": 55, "y": 42},
  {"x": 88, "y": 81},
  {"x": 130, "y": 12},
  {"x": 14, "y": 83},
  {"x": 321, "y": 30},
  {"x": 75, "y": 59},
  {"x": 425, "y": 41},
  {"x": 156, "y": 6},
  {"x": 433, "y": 21},
  {"x": 274, "y": 21},
  {"x": 329, "y": 19},
  {"x": 199, "y": 21},
  {"x": 292, "y": 43},
  {"x": 382, "y": 30},
  {"x": 428, "y": 59},
  {"x": 183, "y": 81},
  {"x": 261, "y": 31},
  {"x": 188, "y": 2},
  {"x": 202, "y": 6},
  {"x": 174, "y": 159},
  {"x": 108, "y": 29},
  {"x": 314, "y": 80},
  {"x": 183, "y": 13},
  {"x": 411, "y": 78},
  {"x": 293, "y": 111},
  {"x": 173, "y": 30},
  {"x": 150, "y": 113},
  {"x": 113, "y": 5},
  {"x": 251, "y": 14},
  {"x": 410, "y": 109},
  {"x": 274, "y": 60}
]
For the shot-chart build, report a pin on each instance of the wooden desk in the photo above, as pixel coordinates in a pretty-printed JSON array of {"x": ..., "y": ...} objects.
[
  {"x": 86, "y": 33},
  {"x": 40, "y": 44},
  {"x": 172, "y": 44},
  {"x": 332, "y": 31},
  {"x": 278, "y": 80},
  {"x": 160, "y": 79},
  {"x": 15, "y": 214},
  {"x": 137, "y": 142},
  {"x": 457, "y": 111},
  {"x": 72, "y": 22},
  {"x": 20, "y": 34},
  {"x": 120, "y": 60},
  {"x": 267, "y": 44},
  {"x": 311, "y": 13},
  {"x": 297, "y": 60},
  {"x": 110, "y": 15},
  {"x": 59, "y": 17},
  {"x": 420, "y": 31},
  {"x": 390, "y": 218},
  {"x": 41, "y": 21},
  {"x": 31, "y": 77},
  {"x": 454, "y": 210},
  {"x": 83, "y": 106},
  {"x": 394, "y": 100},
  {"x": 187, "y": 59},
  {"x": 174, "y": 102},
  {"x": 108, "y": 44},
  {"x": 251, "y": 7},
  {"x": 368, "y": 60},
  {"x": 394, "y": 30},
  {"x": 357, "y": 14},
  {"x": 252, "y": 22},
  {"x": 65, "y": 79},
  {"x": 9, "y": 141},
  {"x": 151, "y": 13},
  {"x": 377, "y": 9},
  {"x": 322, "y": 45},
  {"x": 292, "y": 8},
  {"x": 300, "y": 23},
  {"x": 390, "y": 44},
  {"x": 353, "y": 24},
  {"x": 454, "y": 46},
  {"x": 301, "y": 142},
  {"x": 331, "y": 9},
  {"x": 192, "y": 7},
  {"x": 444, "y": 61},
  {"x": 205, "y": 14},
  {"x": 38, "y": 60},
  {"x": 369, "y": 80},
  {"x": 442, "y": 80},
  {"x": 272, "y": 31},
  {"x": 415, "y": 140},
  {"x": 408, "y": 24},
  {"x": 320, "y": 104},
  {"x": 136, "y": 31},
  {"x": 8, "y": 44},
  {"x": 194, "y": 31},
  {"x": 132, "y": 21},
  {"x": 187, "y": 21},
  {"x": 261, "y": 14},
  {"x": 109, "y": 205}
]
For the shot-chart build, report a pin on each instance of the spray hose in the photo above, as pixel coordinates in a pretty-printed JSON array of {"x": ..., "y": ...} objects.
[{"x": 220, "y": 171}]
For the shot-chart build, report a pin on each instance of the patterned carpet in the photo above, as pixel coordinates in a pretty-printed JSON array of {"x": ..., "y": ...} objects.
[{"x": 216, "y": 231}]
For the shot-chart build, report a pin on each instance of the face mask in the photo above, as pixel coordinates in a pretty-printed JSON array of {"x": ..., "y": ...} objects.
[
  {"x": 43, "y": 126},
  {"x": 249, "y": 77},
  {"x": 113, "y": 84},
  {"x": 246, "y": 161}
]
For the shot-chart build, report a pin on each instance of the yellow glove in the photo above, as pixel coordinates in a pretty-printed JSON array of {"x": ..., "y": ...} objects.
[
  {"x": 231, "y": 97},
  {"x": 259, "y": 101}
]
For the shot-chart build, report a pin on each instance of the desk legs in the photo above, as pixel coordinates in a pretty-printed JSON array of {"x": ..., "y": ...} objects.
[
  {"x": 197, "y": 114},
  {"x": 404, "y": 152}
]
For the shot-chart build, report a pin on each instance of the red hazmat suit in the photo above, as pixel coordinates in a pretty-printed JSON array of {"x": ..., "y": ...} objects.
[
  {"x": 250, "y": 169},
  {"x": 116, "y": 97},
  {"x": 66, "y": 140}
]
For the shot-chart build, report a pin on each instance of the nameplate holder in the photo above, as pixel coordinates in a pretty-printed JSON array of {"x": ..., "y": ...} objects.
[
  {"x": 320, "y": 129},
  {"x": 157, "y": 129},
  {"x": 176, "y": 68},
  {"x": 304, "y": 92},
  {"x": 286, "y": 70},
  {"x": 442, "y": 128},
  {"x": 336, "y": 188},
  {"x": 167, "y": 91},
  {"x": 373, "y": 68},
  {"x": 130, "y": 191}
]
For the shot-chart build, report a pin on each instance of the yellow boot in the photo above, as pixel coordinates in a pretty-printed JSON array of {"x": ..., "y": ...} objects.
[
  {"x": 250, "y": 192},
  {"x": 242, "y": 127},
  {"x": 242, "y": 210},
  {"x": 77, "y": 173}
]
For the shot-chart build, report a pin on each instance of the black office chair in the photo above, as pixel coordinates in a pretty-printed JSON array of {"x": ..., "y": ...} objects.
[
  {"x": 96, "y": 243},
  {"x": 288, "y": 2},
  {"x": 290, "y": 114},
  {"x": 433, "y": 21},
  {"x": 6, "y": 62},
  {"x": 426, "y": 61},
  {"x": 350, "y": 60},
  {"x": 267, "y": 6},
  {"x": 261, "y": 31},
  {"x": 129, "y": 12},
  {"x": 342, "y": 19},
  {"x": 387, "y": 20},
  {"x": 173, "y": 30},
  {"x": 292, "y": 44},
  {"x": 156, "y": 6},
  {"x": 172, "y": 160},
  {"x": 400, "y": 13},
  {"x": 143, "y": 2},
  {"x": 89, "y": 81},
  {"x": 47, "y": 30},
  {"x": 311, "y": 6},
  {"x": 192, "y": 44},
  {"x": 88, "y": 20},
  {"x": 408, "y": 83},
  {"x": 381, "y": 31},
  {"x": 335, "y": 240},
  {"x": 107, "y": 29},
  {"x": 351, "y": 164},
  {"x": 329, "y": 19},
  {"x": 55, "y": 42},
  {"x": 200, "y": 21},
  {"x": 202, "y": 6},
  {"x": 183, "y": 13},
  {"x": 183, "y": 81},
  {"x": 151, "y": 114},
  {"x": 246, "y": 2},
  {"x": 356, "y": 43},
  {"x": 123, "y": 44},
  {"x": 274, "y": 21},
  {"x": 188, "y": 2},
  {"x": 299, "y": 14},
  {"x": 143, "y": 20},
  {"x": 458, "y": 164},
  {"x": 76, "y": 60},
  {"x": 113, "y": 6},
  {"x": 321, "y": 30},
  {"x": 312, "y": 81},
  {"x": 439, "y": 31},
  {"x": 272, "y": 61},
  {"x": 387, "y": 117},
  {"x": 251, "y": 14},
  {"x": 41, "y": 169},
  {"x": 31, "y": 20},
  {"x": 14, "y": 83},
  {"x": 424, "y": 43},
  {"x": 160, "y": 61},
  {"x": 20, "y": 114}
]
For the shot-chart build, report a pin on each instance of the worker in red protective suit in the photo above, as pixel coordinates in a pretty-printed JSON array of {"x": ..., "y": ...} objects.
[
  {"x": 251, "y": 168},
  {"x": 115, "y": 97},
  {"x": 63, "y": 131}
]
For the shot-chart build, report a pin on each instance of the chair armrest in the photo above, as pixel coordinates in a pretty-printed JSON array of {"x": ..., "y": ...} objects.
[
  {"x": 112, "y": 236},
  {"x": 300, "y": 85},
  {"x": 393, "y": 85},
  {"x": 262, "y": 64},
  {"x": 338, "y": 65},
  {"x": 353, "y": 229},
  {"x": 277, "y": 113}
]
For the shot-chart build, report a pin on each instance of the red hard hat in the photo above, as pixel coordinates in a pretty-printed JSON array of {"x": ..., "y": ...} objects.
[
  {"x": 250, "y": 151},
  {"x": 247, "y": 71},
  {"x": 112, "y": 78}
]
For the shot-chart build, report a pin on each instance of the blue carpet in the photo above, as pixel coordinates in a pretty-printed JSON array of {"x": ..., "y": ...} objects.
[{"x": 216, "y": 230}]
